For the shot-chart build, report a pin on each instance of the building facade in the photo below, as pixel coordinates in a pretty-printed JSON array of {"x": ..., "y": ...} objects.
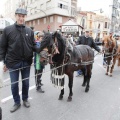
[
  {"x": 48, "y": 14},
  {"x": 97, "y": 24},
  {"x": 10, "y": 7}
]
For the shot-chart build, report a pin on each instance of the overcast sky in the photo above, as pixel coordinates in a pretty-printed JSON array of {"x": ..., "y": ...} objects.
[
  {"x": 91, "y": 5},
  {"x": 1, "y": 6},
  {"x": 88, "y": 5}
]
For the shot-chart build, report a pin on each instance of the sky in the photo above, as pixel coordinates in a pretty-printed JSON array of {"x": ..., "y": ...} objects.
[
  {"x": 91, "y": 5},
  {"x": 1, "y": 6},
  {"x": 88, "y": 5}
]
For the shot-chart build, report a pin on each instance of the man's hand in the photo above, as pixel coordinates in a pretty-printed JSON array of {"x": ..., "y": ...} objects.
[{"x": 5, "y": 68}]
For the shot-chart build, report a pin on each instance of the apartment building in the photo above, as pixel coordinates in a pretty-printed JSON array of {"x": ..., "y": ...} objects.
[
  {"x": 97, "y": 24},
  {"x": 101, "y": 25},
  {"x": 48, "y": 14}
]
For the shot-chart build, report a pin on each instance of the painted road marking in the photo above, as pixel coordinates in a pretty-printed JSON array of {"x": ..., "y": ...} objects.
[{"x": 10, "y": 97}]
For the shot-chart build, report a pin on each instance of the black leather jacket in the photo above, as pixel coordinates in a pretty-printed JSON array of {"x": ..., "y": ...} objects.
[
  {"x": 17, "y": 44},
  {"x": 90, "y": 42}
]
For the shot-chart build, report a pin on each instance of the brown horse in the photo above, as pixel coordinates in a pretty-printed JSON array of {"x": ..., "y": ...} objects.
[
  {"x": 74, "y": 58},
  {"x": 112, "y": 53}
]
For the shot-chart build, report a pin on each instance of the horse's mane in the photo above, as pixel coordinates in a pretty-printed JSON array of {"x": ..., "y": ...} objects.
[{"x": 61, "y": 47}]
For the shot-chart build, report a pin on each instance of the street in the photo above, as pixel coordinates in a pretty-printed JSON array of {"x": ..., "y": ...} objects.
[{"x": 102, "y": 102}]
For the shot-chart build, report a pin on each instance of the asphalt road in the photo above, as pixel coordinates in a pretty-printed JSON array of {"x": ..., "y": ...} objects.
[{"x": 102, "y": 102}]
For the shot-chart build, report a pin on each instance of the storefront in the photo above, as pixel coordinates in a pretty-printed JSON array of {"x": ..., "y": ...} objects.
[{"x": 71, "y": 27}]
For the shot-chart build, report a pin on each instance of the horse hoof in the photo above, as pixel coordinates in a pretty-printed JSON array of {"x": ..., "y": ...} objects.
[
  {"x": 71, "y": 94},
  {"x": 87, "y": 89},
  {"x": 83, "y": 85},
  {"x": 60, "y": 97},
  {"x": 69, "y": 99},
  {"x": 106, "y": 73},
  {"x": 110, "y": 75}
]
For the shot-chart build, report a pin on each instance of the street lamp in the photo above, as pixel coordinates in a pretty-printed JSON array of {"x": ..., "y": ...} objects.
[
  {"x": 101, "y": 11},
  {"x": 44, "y": 13}
]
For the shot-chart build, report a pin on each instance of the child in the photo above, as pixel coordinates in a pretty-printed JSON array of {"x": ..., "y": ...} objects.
[{"x": 40, "y": 67}]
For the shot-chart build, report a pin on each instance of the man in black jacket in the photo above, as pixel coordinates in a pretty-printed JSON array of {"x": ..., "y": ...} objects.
[
  {"x": 87, "y": 40},
  {"x": 16, "y": 48}
]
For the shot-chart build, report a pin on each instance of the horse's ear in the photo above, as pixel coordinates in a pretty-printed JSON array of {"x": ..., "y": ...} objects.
[
  {"x": 55, "y": 33},
  {"x": 44, "y": 31}
]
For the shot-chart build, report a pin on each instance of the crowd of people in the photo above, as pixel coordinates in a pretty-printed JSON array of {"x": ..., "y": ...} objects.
[{"x": 18, "y": 45}]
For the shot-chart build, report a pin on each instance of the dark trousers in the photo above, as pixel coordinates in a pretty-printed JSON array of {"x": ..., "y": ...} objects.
[
  {"x": 14, "y": 76},
  {"x": 0, "y": 113},
  {"x": 38, "y": 75}
]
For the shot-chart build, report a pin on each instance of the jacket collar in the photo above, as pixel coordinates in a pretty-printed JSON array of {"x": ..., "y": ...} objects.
[{"x": 19, "y": 25}]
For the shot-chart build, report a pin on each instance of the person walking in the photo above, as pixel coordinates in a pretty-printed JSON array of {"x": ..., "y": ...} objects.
[{"x": 16, "y": 47}]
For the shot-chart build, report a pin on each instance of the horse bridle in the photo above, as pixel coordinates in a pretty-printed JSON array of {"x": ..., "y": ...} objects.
[{"x": 109, "y": 44}]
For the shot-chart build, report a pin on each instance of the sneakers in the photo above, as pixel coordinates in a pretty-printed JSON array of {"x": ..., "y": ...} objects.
[
  {"x": 15, "y": 107},
  {"x": 26, "y": 103},
  {"x": 39, "y": 89}
]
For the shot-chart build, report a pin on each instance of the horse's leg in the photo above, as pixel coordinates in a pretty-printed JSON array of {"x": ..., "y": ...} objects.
[
  {"x": 88, "y": 69},
  {"x": 118, "y": 61},
  {"x": 108, "y": 63},
  {"x": 61, "y": 94},
  {"x": 114, "y": 61},
  {"x": 84, "y": 79},
  {"x": 70, "y": 84}
]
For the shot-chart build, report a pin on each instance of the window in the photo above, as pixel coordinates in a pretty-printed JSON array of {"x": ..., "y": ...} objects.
[
  {"x": 99, "y": 26},
  {"x": 105, "y": 24},
  {"x": 90, "y": 25},
  {"x": 44, "y": 20},
  {"x": 62, "y": 6},
  {"x": 51, "y": 19},
  {"x": 90, "y": 16},
  {"x": 59, "y": 19},
  {"x": 83, "y": 23},
  {"x": 38, "y": 21},
  {"x": 30, "y": 23},
  {"x": 33, "y": 22}
]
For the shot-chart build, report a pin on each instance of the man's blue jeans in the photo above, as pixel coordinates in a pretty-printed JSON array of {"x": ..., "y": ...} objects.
[{"x": 14, "y": 75}]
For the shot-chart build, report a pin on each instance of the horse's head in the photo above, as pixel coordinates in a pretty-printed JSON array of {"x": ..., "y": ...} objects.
[
  {"x": 109, "y": 45},
  {"x": 55, "y": 44}
]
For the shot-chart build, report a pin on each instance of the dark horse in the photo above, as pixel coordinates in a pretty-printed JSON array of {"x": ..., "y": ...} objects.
[{"x": 76, "y": 57}]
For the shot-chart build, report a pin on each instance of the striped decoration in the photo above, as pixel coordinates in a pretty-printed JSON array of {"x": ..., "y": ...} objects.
[{"x": 58, "y": 81}]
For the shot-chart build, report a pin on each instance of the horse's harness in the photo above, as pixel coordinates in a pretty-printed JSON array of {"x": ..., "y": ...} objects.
[{"x": 107, "y": 50}]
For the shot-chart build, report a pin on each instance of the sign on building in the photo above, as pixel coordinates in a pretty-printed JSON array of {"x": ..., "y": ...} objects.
[{"x": 70, "y": 29}]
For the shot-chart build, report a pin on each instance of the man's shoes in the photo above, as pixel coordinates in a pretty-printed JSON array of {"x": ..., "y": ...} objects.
[
  {"x": 26, "y": 103},
  {"x": 39, "y": 89},
  {"x": 15, "y": 107}
]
